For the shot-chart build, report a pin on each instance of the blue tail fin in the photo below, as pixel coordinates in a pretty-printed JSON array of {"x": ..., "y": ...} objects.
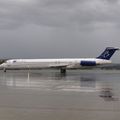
[{"x": 107, "y": 54}]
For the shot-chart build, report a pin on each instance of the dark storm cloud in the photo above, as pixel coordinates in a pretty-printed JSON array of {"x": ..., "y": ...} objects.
[
  {"x": 58, "y": 28},
  {"x": 58, "y": 13}
]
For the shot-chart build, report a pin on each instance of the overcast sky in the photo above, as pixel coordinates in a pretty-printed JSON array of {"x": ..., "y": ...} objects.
[{"x": 58, "y": 28}]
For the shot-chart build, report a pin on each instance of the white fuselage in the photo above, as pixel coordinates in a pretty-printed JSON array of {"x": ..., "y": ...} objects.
[{"x": 53, "y": 63}]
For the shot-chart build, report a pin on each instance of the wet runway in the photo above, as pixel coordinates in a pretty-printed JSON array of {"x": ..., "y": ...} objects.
[{"x": 47, "y": 95}]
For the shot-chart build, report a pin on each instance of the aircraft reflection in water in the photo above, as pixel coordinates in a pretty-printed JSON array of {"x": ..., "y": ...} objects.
[
  {"x": 80, "y": 82},
  {"x": 58, "y": 82}
]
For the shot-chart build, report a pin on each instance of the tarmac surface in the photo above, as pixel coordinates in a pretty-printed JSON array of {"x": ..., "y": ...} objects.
[{"x": 48, "y": 95}]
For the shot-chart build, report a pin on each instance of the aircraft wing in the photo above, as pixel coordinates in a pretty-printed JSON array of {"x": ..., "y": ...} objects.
[{"x": 58, "y": 65}]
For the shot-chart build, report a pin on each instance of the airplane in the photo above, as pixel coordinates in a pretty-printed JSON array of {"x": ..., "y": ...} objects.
[{"x": 61, "y": 64}]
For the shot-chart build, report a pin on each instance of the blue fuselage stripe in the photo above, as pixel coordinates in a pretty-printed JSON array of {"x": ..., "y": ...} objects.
[{"x": 87, "y": 63}]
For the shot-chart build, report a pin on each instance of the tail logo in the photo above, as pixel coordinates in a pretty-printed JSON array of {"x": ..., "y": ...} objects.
[{"x": 106, "y": 54}]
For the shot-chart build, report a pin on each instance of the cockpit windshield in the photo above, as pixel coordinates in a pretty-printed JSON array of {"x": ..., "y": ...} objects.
[{"x": 10, "y": 61}]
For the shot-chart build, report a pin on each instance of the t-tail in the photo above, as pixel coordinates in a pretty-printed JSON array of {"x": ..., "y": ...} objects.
[{"x": 107, "y": 54}]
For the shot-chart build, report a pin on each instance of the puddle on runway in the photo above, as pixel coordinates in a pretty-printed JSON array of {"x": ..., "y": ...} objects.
[
  {"x": 48, "y": 95},
  {"x": 54, "y": 81}
]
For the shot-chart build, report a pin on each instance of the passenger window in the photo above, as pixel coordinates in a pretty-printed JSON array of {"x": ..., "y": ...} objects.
[{"x": 14, "y": 61}]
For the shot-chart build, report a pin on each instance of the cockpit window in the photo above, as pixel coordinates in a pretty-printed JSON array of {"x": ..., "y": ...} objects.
[{"x": 11, "y": 61}]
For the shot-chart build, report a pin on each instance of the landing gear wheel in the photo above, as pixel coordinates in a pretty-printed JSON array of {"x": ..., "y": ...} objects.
[{"x": 4, "y": 69}]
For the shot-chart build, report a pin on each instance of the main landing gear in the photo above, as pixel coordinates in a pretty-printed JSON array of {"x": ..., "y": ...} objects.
[
  {"x": 4, "y": 69},
  {"x": 63, "y": 71}
]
